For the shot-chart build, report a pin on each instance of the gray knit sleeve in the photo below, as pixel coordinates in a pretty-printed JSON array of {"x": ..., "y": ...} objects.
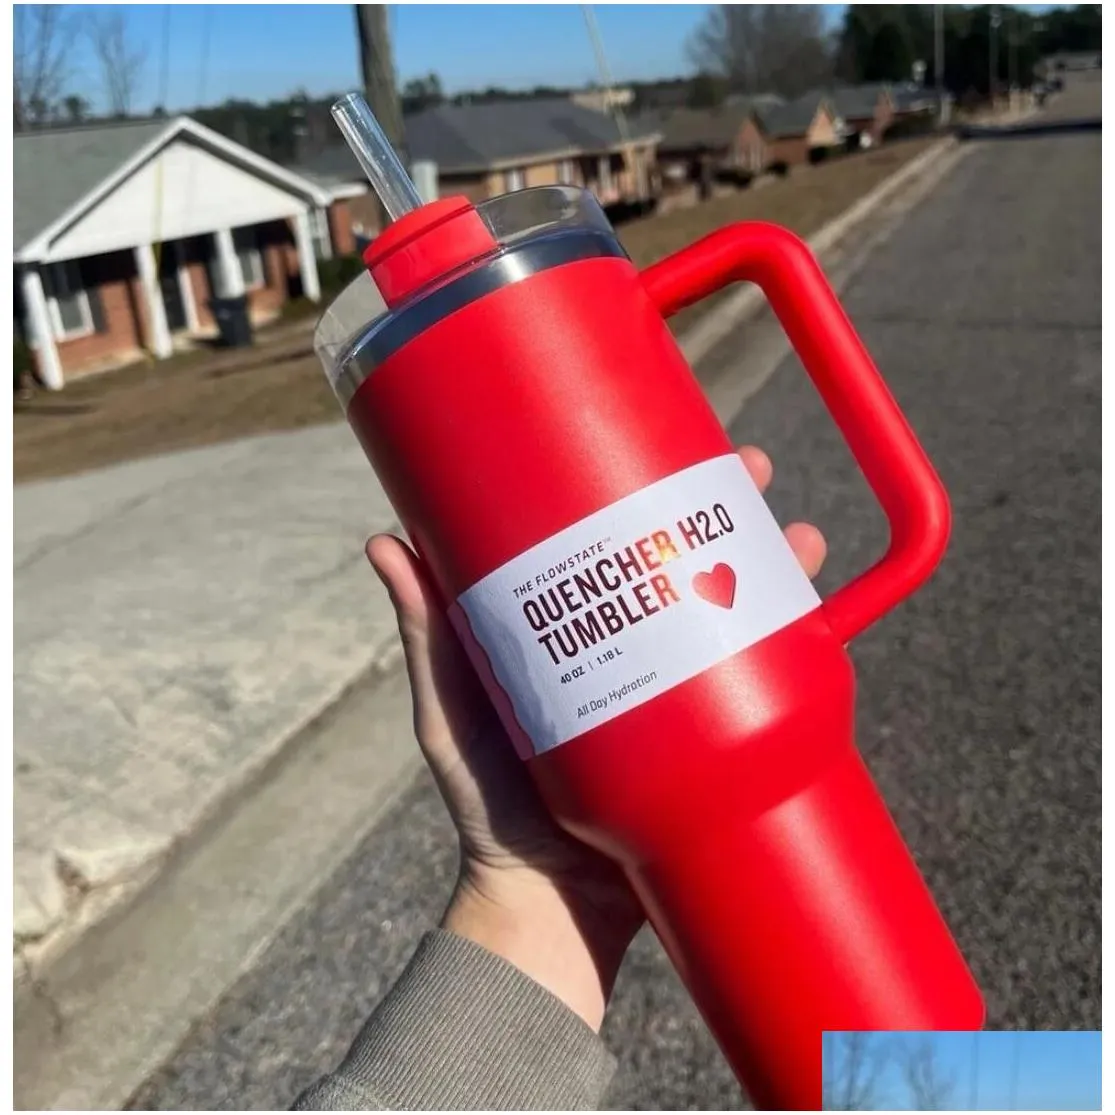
[{"x": 463, "y": 1029}]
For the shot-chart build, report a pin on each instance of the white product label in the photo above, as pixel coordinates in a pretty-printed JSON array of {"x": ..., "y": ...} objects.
[{"x": 631, "y": 601}]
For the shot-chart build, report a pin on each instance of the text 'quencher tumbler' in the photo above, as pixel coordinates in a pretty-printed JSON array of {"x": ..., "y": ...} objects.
[{"x": 679, "y": 692}]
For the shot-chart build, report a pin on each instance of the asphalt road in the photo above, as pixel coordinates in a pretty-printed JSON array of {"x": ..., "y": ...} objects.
[{"x": 979, "y": 706}]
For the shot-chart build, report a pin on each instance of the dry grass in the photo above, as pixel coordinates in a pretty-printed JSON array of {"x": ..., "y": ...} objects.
[
  {"x": 206, "y": 397},
  {"x": 198, "y": 398},
  {"x": 805, "y": 201}
]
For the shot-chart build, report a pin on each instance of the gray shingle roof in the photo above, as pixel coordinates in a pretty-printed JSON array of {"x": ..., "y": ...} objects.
[
  {"x": 710, "y": 129},
  {"x": 913, "y": 98},
  {"x": 854, "y": 102},
  {"x": 459, "y": 137},
  {"x": 685, "y": 129},
  {"x": 791, "y": 119},
  {"x": 54, "y": 169},
  {"x": 331, "y": 166}
]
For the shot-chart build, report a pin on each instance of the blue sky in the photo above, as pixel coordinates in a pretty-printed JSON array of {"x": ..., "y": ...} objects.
[
  {"x": 1057, "y": 1070},
  {"x": 265, "y": 51}
]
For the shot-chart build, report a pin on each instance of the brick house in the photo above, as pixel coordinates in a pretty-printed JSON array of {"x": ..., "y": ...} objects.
[
  {"x": 866, "y": 111},
  {"x": 799, "y": 131},
  {"x": 723, "y": 137},
  {"x": 124, "y": 232},
  {"x": 867, "y": 114},
  {"x": 353, "y": 213},
  {"x": 482, "y": 150},
  {"x": 916, "y": 109}
]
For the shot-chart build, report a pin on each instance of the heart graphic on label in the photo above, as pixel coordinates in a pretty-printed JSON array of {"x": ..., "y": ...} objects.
[{"x": 717, "y": 587}]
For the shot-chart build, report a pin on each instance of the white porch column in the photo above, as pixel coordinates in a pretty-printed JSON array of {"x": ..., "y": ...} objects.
[
  {"x": 232, "y": 274},
  {"x": 307, "y": 261},
  {"x": 424, "y": 173},
  {"x": 41, "y": 328},
  {"x": 159, "y": 338}
]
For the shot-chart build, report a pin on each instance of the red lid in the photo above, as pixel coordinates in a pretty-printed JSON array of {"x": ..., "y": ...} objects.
[{"x": 426, "y": 244}]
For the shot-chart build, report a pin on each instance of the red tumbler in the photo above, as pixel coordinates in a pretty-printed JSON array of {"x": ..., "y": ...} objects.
[{"x": 677, "y": 689}]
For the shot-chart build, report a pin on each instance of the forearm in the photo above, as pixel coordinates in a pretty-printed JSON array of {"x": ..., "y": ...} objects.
[{"x": 465, "y": 1029}]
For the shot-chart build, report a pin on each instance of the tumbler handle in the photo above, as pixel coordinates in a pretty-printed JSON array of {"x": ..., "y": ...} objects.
[{"x": 880, "y": 438}]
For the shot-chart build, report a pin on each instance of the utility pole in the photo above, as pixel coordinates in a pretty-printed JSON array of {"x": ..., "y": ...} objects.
[
  {"x": 993, "y": 53},
  {"x": 939, "y": 58},
  {"x": 1012, "y": 54},
  {"x": 378, "y": 71},
  {"x": 939, "y": 47}
]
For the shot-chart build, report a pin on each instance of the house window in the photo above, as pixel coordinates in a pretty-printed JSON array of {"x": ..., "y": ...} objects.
[
  {"x": 246, "y": 242},
  {"x": 70, "y": 312},
  {"x": 319, "y": 230},
  {"x": 565, "y": 172},
  {"x": 513, "y": 179}
]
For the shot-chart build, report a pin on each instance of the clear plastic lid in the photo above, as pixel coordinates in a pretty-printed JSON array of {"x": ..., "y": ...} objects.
[{"x": 512, "y": 218}]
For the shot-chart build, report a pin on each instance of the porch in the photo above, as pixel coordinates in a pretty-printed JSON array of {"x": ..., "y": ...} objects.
[
  {"x": 100, "y": 312},
  {"x": 135, "y": 266}
]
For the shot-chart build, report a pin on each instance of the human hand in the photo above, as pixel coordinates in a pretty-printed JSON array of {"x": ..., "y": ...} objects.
[{"x": 527, "y": 891}]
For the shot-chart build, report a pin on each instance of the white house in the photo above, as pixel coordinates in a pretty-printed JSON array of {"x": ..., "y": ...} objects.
[{"x": 124, "y": 232}]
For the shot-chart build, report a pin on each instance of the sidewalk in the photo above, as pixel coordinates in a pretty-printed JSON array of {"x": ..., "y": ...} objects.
[{"x": 175, "y": 619}]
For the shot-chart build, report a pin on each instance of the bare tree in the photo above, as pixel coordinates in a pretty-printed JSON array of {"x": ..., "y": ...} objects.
[
  {"x": 930, "y": 1086},
  {"x": 43, "y": 35},
  {"x": 765, "y": 48},
  {"x": 121, "y": 63},
  {"x": 852, "y": 1064}
]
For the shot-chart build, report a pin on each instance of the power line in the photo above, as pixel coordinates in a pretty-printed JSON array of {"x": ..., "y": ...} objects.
[
  {"x": 605, "y": 73},
  {"x": 164, "y": 78},
  {"x": 164, "y": 62}
]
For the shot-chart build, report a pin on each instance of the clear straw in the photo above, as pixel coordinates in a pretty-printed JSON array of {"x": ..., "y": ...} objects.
[{"x": 376, "y": 156}]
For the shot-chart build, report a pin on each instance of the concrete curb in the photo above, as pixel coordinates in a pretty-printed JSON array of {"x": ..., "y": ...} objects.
[
  {"x": 98, "y": 903},
  {"x": 115, "y": 1006},
  {"x": 721, "y": 320},
  {"x": 61, "y": 990}
]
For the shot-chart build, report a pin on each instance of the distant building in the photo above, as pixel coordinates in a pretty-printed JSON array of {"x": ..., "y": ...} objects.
[
  {"x": 916, "y": 106},
  {"x": 799, "y": 131},
  {"x": 722, "y": 137},
  {"x": 863, "y": 112},
  {"x": 603, "y": 100},
  {"x": 490, "y": 148},
  {"x": 125, "y": 232},
  {"x": 1068, "y": 61},
  {"x": 482, "y": 150},
  {"x": 354, "y": 212}
]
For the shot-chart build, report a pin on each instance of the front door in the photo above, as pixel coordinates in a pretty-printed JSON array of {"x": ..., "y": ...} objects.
[{"x": 171, "y": 289}]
